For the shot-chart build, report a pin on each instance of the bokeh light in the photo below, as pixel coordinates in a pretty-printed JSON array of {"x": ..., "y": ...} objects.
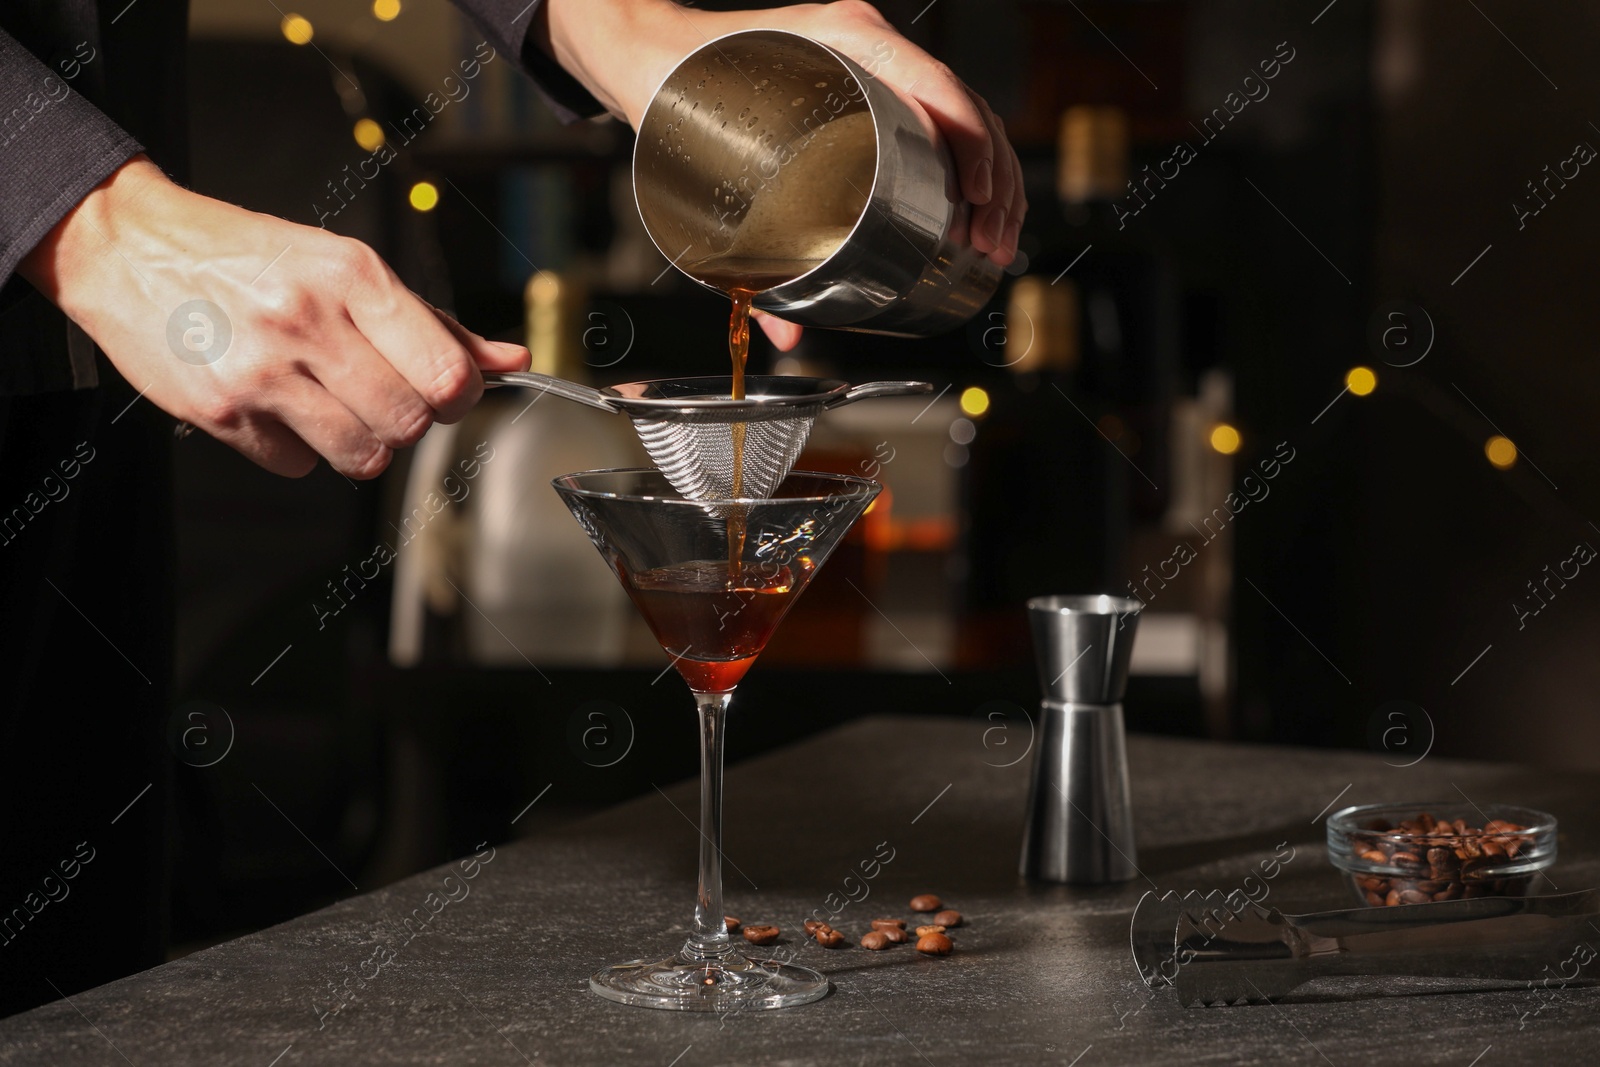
[
  {"x": 297, "y": 28},
  {"x": 1225, "y": 439},
  {"x": 1361, "y": 380},
  {"x": 369, "y": 134},
  {"x": 974, "y": 401},
  {"x": 386, "y": 10},
  {"x": 424, "y": 196},
  {"x": 1501, "y": 452}
]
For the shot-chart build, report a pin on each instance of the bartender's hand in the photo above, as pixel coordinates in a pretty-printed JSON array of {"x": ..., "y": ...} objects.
[
  {"x": 329, "y": 352},
  {"x": 621, "y": 50}
]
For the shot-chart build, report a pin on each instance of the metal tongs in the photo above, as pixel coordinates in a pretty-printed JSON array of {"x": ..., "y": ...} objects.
[{"x": 1217, "y": 948}]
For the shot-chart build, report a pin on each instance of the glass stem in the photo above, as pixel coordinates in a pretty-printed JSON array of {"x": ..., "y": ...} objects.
[{"x": 710, "y": 938}]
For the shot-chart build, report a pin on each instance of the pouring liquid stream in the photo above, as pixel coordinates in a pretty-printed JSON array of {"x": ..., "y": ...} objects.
[{"x": 739, "y": 351}]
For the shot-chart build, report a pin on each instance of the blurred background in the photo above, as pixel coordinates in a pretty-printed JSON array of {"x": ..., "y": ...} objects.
[{"x": 1303, "y": 359}]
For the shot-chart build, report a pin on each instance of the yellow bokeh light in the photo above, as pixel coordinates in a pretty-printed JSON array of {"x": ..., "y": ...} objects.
[
  {"x": 297, "y": 29},
  {"x": 1361, "y": 380},
  {"x": 1501, "y": 452},
  {"x": 386, "y": 10},
  {"x": 1225, "y": 439},
  {"x": 424, "y": 196},
  {"x": 974, "y": 401},
  {"x": 369, "y": 134}
]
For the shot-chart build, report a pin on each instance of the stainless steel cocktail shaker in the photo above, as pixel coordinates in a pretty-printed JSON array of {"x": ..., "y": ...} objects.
[
  {"x": 1080, "y": 820},
  {"x": 768, "y": 157}
]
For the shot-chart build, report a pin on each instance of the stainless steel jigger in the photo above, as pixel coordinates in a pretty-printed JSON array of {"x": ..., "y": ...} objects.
[{"x": 1080, "y": 820}]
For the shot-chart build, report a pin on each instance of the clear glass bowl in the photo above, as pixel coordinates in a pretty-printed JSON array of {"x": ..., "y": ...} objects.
[{"x": 1414, "y": 853}]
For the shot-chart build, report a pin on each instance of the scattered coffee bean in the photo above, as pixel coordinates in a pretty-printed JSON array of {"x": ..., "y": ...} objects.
[
  {"x": 933, "y": 928},
  {"x": 811, "y": 926},
  {"x": 828, "y": 937},
  {"x": 731, "y": 923},
  {"x": 934, "y": 944},
  {"x": 875, "y": 940},
  {"x": 926, "y": 902},
  {"x": 761, "y": 935},
  {"x": 888, "y": 924},
  {"x": 895, "y": 935},
  {"x": 948, "y": 919}
]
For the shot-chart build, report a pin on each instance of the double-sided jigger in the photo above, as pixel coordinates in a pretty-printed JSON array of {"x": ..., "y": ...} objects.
[{"x": 1080, "y": 820}]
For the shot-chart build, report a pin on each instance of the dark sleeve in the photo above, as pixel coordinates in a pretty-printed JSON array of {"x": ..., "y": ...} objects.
[
  {"x": 506, "y": 23},
  {"x": 55, "y": 147}
]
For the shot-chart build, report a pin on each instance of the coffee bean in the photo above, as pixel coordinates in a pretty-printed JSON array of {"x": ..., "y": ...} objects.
[
  {"x": 896, "y": 935},
  {"x": 1445, "y": 859},
  {"x": 731, "y": 923},
  {"x": 926, "y": 902},
  {"x": 935, "y": 928},
  {"x": 812, "y": 924},
  {"x": 828, "y": 937},
  {"x": 761, "y": 935},
  {"x": 949, "y": 918},
  {"x": 888, "y": 924},
  {"x": 875, "y": 940},
  {"x": 934, "y": 944}
]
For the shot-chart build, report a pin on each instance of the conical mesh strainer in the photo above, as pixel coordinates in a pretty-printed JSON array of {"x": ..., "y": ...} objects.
[{"x": 688, "y": 425}]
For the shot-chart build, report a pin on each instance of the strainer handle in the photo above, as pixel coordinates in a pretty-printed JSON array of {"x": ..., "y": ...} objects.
[
  {"x": 872, "y": 389},
  {"x": 583, "y": 394}
]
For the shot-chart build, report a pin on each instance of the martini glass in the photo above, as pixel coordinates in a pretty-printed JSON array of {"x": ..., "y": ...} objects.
[{"x": 712, "y": 578}]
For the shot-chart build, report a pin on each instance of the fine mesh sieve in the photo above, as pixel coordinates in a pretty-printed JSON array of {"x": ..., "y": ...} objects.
[{"x": 688, "y": 425}]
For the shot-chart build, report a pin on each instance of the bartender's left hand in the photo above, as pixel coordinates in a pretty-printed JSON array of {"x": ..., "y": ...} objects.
[{"x": 621, "y": 50}]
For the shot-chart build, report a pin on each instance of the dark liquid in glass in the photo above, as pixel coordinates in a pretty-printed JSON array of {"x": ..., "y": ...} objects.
[{"x": 714, "y": 619}]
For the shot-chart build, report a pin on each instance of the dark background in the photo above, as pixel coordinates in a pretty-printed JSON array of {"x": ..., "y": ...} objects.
[{"x": 1385, "y": 563}]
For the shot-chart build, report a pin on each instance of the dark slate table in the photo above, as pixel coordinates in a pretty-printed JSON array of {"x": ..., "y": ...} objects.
[{"x": 493, "y": 970}]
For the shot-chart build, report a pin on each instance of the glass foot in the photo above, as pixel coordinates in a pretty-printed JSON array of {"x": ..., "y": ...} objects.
[{"x": 733, "y": 984}]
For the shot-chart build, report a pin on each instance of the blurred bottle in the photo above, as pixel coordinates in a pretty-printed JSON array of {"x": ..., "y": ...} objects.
[
  {"x": 532, "y": 572},
  {"x": 502, "y": 575},
  {"x": 1044, "y": 509},
  {"x": 1128, "y": 289},
  {"x": 1070, "y": 448}
]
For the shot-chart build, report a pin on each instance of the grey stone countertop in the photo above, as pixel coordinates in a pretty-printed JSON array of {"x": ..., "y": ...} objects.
[{"x": 493, "y": 969}]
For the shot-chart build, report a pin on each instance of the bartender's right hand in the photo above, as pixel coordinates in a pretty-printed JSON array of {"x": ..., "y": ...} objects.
[{"x": 327, "y": 352}]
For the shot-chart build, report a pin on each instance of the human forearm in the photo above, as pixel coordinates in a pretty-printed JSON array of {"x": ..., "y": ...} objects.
[
  {"x": 284, "y": 341},
  {"x": 619, "y": 49}
]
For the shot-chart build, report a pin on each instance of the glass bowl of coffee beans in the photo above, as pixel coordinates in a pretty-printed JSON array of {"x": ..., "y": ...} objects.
[{"x": 1415, "y": 853}]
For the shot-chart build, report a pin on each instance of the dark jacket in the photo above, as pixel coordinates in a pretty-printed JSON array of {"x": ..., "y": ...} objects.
[{"x": 87, "y": 84}]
